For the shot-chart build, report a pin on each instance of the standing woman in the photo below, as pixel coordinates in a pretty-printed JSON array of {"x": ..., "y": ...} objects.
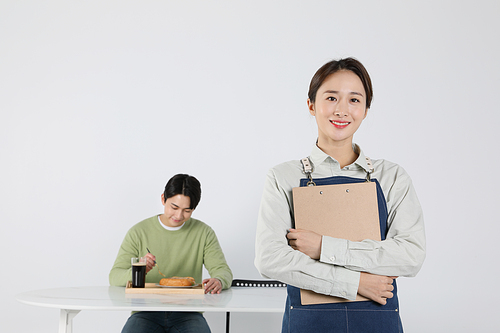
[{"x": 339, "y": 97}]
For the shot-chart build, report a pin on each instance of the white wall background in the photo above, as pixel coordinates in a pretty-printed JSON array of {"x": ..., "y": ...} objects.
[{"x": 103, "y": 101}]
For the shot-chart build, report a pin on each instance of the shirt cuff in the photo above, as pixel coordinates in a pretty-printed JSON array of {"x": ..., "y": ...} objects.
[
  {"x": 346, "y": 283},
  {"x": 333, "y": 251}
]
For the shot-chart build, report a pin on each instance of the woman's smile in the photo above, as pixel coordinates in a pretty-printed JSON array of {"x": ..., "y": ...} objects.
[{"x": 339, "y": 123}]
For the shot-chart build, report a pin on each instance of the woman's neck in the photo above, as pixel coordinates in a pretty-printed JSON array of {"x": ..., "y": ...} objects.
[{"x": 341, "y": 152}]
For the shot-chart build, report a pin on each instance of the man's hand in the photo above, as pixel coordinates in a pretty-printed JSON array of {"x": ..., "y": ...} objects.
[
  {"x": 212, "y": 286},
  {"x": 378, "y": 288},
  {"x": 150, "y": 262},
  {"x": 305, "y": 241}
]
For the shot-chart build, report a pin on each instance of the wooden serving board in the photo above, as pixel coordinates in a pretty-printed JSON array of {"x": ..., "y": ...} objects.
[{"x": 152, "y": 288}]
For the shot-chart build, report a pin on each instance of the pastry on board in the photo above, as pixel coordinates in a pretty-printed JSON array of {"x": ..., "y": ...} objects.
[{"x": 176, "y": 281}]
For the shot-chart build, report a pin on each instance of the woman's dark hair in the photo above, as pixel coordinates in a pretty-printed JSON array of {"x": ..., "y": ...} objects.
[
  {"x": 347, "y": 64},
  {"x": 186, "y": 185}
]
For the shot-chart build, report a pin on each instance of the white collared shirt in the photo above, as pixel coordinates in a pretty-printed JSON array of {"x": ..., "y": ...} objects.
[{"x": 337, "y": 272}]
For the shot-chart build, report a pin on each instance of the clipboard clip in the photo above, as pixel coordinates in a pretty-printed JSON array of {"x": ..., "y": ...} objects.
[{"x": 308, "y": 169}]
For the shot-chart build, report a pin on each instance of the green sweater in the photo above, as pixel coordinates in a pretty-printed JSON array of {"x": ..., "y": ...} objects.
[{"x": 181, "y": 252}]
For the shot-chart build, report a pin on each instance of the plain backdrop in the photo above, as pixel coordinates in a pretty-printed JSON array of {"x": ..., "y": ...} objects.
[{"x": 103, "y": 101}]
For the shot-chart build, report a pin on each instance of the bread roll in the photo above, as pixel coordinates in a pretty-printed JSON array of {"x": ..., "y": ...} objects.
[{"x": 176, "y": 281}]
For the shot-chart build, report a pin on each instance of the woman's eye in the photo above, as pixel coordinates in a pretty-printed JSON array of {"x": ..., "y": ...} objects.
[
  {"x": 355, "y": 100},
  {"x": 331, "y": 98}
]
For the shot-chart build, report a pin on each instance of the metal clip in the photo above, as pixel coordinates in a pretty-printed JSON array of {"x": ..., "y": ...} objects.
[
  {"x": 370, "y": 166},
  {"x": 310, "y": 182},
  {"x": 308, "y": 169},
  {"x": 368, "y": 177}
]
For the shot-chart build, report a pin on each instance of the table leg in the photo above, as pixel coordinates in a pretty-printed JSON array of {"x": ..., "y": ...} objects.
[
  {"x": 228, "y": 314},
  {"x": 66, "y": 320}
]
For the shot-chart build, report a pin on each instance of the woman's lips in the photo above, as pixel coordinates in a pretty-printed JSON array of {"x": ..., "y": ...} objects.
[{"x": 339, "y": 124}]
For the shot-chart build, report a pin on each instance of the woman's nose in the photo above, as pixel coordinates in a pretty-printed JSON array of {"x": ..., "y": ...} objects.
[{"x": 341, "y": 110}]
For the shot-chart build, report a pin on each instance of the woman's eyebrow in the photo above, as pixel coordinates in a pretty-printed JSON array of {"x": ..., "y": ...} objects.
[{"x": 336, "y": 92}]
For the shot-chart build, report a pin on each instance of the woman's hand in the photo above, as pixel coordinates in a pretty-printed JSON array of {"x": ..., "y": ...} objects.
[
  {"x": 305, "y": 241},
  {"x": 378, "y": 288},
  {"x": 150, "y": 262},
  {"x": 212, "y": 286}
]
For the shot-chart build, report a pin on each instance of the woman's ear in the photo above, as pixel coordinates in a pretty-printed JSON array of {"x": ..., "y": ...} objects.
[
  {"x": 366, "y": 113},
  {"x": 310, "y": 106},
  {"x": 163, "y": 199}
]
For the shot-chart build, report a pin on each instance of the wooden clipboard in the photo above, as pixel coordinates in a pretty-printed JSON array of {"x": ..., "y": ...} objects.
[{"x": 347, "y": 211}]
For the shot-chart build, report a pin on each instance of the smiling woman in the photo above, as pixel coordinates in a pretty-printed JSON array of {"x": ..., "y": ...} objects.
[
  {"x": 339, "y": 109},
  {"x": 340, "y": 95}
]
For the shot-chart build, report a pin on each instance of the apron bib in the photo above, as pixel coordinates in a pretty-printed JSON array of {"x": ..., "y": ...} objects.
[{"x": 348, "y": 317}]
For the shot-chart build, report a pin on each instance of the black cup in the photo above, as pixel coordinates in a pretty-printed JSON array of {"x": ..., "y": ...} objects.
[{"x": 138, "y": 273}]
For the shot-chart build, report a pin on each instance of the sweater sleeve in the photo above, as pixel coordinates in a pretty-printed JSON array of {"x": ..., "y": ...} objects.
[
  {"x": 121, "y": 272},
  {"x": 215, "y": 262}
]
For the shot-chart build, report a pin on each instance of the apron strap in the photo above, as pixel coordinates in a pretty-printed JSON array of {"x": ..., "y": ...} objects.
[
  {"x": 370, "y": 169},
  {"x": 308, "y": 169}
]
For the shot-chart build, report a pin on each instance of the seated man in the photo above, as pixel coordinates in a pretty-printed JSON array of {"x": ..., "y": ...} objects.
[{"x": 180, "y": 245}]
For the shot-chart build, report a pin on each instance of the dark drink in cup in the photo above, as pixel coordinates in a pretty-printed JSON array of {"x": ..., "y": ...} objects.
[{"x": 138, "y": 274}]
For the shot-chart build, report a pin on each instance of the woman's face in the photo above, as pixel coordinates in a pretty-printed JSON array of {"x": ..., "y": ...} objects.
[
  {"x": 176, "y": 210},
  {"x": 340, "y": 107}
]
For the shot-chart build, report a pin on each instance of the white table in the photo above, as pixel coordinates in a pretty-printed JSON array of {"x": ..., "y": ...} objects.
[{"x": 72, "y": 300}]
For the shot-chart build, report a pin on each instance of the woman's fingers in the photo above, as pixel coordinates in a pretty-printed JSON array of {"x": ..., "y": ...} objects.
[{"x": 378, "y": 288}]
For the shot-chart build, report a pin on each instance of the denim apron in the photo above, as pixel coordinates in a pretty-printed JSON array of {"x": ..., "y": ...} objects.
[{"x": 348, "y": 317}]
